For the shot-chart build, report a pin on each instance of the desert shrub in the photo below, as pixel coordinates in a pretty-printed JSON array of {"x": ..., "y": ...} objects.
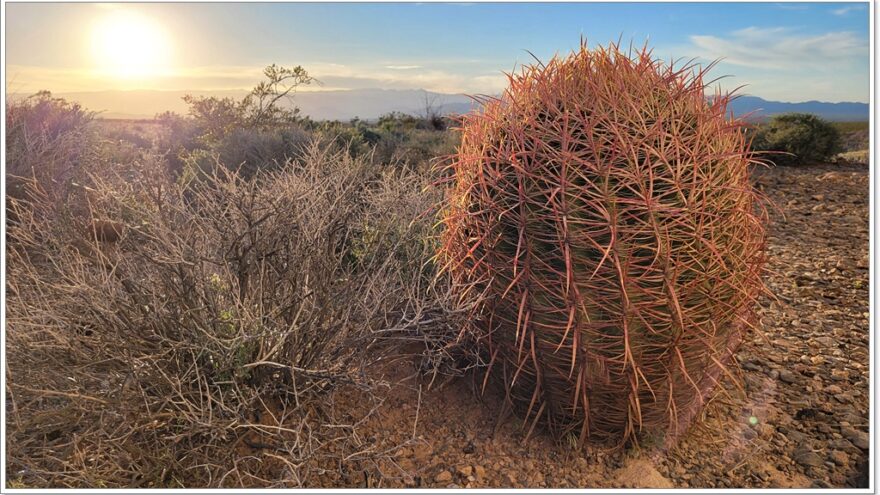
[
  {"x": 204, "y": 347},
  {"x": 417, "y": 148},
  {"x": 260, "y": 109},
  {"x": 797, "y": 138},
  {"x": 249, "y": 150},
  {"x": 121, "y": 132},
  {"x": 49, "y": 140},
  {"x": 251, "y": 134},
  {"x": 602, "y": 209},
  {"x": 395, "y": 139},
  {"x": 178, "y": 137}
]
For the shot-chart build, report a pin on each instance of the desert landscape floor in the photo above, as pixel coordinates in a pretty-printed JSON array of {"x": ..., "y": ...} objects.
[{"x": 800, "y": 421}]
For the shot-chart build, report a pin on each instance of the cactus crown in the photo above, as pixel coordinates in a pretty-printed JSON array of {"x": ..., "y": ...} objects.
[{"x": 601, "y": 211}]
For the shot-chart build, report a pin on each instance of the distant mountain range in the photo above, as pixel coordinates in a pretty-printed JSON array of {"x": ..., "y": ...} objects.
[
  {"x": 371, "y": 103},
  {"x": 760, "y": 108}
]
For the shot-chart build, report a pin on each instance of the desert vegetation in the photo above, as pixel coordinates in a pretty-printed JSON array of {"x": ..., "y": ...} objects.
[{"x": 244, "y": 297}]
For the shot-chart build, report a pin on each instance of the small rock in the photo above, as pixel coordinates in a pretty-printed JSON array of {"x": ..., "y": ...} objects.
[
  {"x": 807, "y": 458},
  {"x": 480, "y": 471},
  {"x": 833, "y": 390},
  {"x": 751, "y": 366},
  {"x": 443, "y": 477},
  {"x": 839, "y": 457},
  {"x": 465, "y": 470},
  {"x": 857, "y": 437},
  {"x": 796, "y": 436},
  {"x": 787, "y": 376},
  {"x": 842, "y": 444}
]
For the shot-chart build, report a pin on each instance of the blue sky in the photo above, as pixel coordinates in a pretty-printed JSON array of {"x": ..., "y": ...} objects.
[{"x": 781, "y": 51}]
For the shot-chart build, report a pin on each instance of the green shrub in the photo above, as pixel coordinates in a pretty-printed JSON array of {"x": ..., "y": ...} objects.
[
  {"x": 797, "y": 138},
  {"x": 249, "y": 150}
]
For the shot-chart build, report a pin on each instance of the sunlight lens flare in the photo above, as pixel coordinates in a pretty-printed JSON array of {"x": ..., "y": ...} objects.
[{"x": 127, "y": 44}]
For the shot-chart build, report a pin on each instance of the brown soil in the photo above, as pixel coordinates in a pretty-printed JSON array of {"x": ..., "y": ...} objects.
[{"x": 801, "y": 422}]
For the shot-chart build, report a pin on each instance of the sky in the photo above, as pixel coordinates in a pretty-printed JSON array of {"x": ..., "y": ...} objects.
[{"x": 778, "y": 51}]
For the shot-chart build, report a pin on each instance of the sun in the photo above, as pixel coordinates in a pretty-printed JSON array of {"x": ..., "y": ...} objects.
[{"x": 127, "y": 44}]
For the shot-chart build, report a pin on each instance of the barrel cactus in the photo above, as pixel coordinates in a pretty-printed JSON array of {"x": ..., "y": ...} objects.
[{"x": 601, "y": 214}]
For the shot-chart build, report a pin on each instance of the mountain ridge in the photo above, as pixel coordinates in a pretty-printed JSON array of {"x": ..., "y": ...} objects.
[{"x": 370, "y": 103}]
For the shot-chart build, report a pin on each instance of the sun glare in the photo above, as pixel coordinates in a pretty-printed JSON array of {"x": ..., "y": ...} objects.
[{"x": 127, "y": 45}]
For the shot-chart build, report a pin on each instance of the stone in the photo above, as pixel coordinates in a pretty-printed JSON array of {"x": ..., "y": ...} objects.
[
  {"x": 787, "y": 376},
  {"x": 839, "y": 457},
  {"x": 806, "y": 457},
  {"x": 796, "y": 436},
  {"x": 443, "y": 477},
  {"x": 751, "y": 366},
  {"x": 833, "y": 390},
  {"x": 480, "y": 471},
  {"x": 857, "y": 437},
  {"x": 842, "y": 444},
  {"x": 465, "y": 470}
]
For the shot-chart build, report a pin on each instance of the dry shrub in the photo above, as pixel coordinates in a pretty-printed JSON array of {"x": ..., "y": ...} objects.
[
  {"x": 48, "y": 140},
  {"x": 203, "y": 348},
  {"x": 603, "y": 208}
]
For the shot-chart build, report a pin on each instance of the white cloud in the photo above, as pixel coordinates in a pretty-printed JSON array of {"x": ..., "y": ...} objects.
[
  {"x": 403, "y": 67},
  {"x": 848, "y": 9},
  {"x": 781, "y": 48}
]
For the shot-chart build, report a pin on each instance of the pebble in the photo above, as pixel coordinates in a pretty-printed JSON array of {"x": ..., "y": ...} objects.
[
  {"x": 787, "y": 376},
  {"x": 833, "y": 390},
  {"x": 857, "y": 437},
  {"x": 480, "y": 471},
  {"x": 839, "y": 457},
  {"x": 808, "y": 458},
  {"x": 443, "y": 477}
]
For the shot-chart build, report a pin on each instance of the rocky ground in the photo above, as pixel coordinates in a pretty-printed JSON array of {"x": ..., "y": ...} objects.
[{"x": 801, "y": 420}]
